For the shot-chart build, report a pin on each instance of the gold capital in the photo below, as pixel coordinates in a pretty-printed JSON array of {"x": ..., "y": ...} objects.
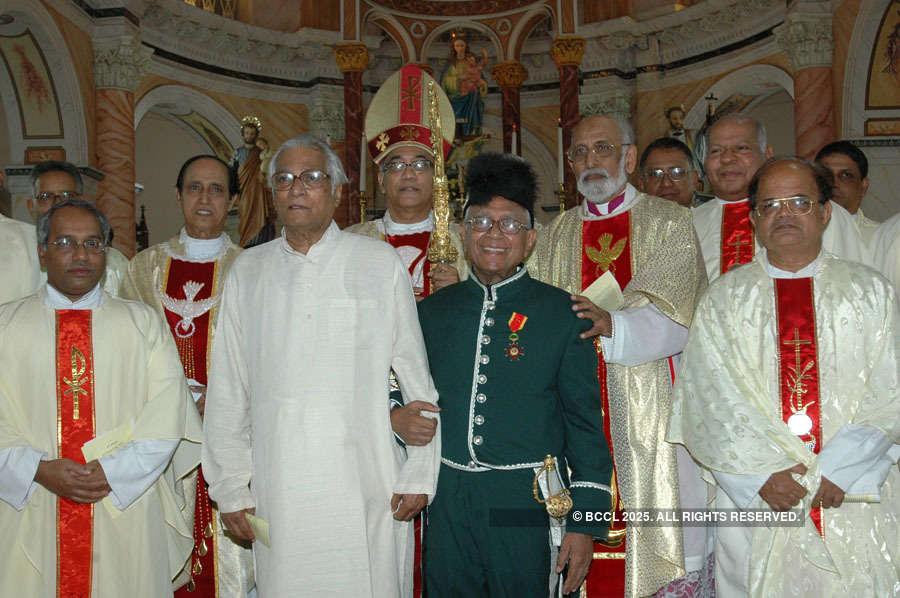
[
  {"x": 351, "y": 57},
  {"x": 509, "y": 74},
  {"x": 568, "y": 50}
]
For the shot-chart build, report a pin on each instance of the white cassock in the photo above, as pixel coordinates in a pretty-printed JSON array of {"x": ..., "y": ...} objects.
[
  {"x": 865, "y": 226},
  {"x": 140, "y": 539},
  {"x": 727, "y": 412},
  {"x": 20, "y": 272},
  {"x": 841, "y": 237},
  {"x": 886, "y": 249},
  {"x": 296, "y": 408}
]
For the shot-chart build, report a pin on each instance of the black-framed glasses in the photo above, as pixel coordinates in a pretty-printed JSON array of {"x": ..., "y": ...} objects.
[
  {"x": 798, "y": 205},
  {"x": 55, "y": 198},
  {"x": 69, "y": 245},
  {"x": 675, "y": 173},
  {"x": 311, "y": 179},
  {"x": 483, "y": 224},
  {"x": 419, "y": 165},
  {"x": 602, "y": 149}
]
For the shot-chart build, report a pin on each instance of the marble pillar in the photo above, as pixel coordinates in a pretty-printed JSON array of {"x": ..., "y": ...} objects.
[
  {"x": 119, "y": 66},
  {"x": 567, "y": 52},
  {"x": 510, "y": 76},
  {"x": 352, "y": 59},
  {"x": 806, "y": 39}
]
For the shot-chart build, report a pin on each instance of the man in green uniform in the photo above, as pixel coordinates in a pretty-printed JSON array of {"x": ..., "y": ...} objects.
[{"x": 516, "y": 385}]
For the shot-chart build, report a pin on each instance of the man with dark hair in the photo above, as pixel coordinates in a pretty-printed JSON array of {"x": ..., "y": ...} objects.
[
  {"x": 182, "y": 279},
  {"x": 850, "y": 169},
  {"x": 788, "y": 395},
  {"x": 93, "y": 407},
  {"x": 532, "y": 401},
  {"x": 667, "y": 170}
]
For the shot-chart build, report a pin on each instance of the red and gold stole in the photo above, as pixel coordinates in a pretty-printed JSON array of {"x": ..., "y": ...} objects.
[
  {"x": 798, "y": 365},
  {"x": 738, "y": 242},
  {"x": 75, "y": 426},
  {"x": 419, "y": 241},
  {"x": 606, "y": 245},
  {"x": 193, "y": 342}
]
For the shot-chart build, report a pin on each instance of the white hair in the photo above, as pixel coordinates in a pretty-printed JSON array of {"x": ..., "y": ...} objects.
[{"x": 333, "y": 165}]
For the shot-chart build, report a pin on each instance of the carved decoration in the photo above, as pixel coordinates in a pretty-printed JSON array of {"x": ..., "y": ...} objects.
[
  {"x": 509, "y": 74},
  {"x": 120, "y": 63},
  {"x": 351, "y": 57},
  {"x": 806, "y": 39},
  {"x": 615, "y": 102},
  {"x": 568, "y": 50}
]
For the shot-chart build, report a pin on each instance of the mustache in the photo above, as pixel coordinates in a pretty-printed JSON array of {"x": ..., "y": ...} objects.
[{"x": 592, "y": 172}]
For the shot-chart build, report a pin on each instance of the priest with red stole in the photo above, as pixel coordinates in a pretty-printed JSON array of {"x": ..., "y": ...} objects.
[
  {"x": 789, "y": 393},
  {"x": 182, "y": 279},
  {"x": 648, "y": 247},
  {"x": 732, "y": 150},
  {"x": 97, "y": 430}
]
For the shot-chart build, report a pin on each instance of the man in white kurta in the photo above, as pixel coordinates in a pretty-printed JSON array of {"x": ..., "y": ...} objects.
[
  {"x": 72, "y": 355},
  {"x": 789, "y": 394},
  {"x": 310, "y": 325},
  {"x": 735, "y": 148}
]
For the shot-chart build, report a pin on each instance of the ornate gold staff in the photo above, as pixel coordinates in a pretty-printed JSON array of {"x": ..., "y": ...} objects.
[{"x": 439, "y": 248}]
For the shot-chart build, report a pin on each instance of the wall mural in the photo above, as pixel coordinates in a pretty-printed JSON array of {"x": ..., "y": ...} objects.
[
  {"x": 883, "y": 85},
  {"x": 209, "y": 132},
  {"x": 35, "y": 93}
]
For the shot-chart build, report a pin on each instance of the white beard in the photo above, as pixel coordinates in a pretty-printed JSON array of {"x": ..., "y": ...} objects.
[{"x": 602, "y": 190}]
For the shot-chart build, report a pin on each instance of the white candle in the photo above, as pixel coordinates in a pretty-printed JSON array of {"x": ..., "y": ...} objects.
[
  {"x": 362, "y": 165},
  {"x": 328, "y": 139},
  {"x": 514, "y": 140},
  {"x": 559, "y": 143}
]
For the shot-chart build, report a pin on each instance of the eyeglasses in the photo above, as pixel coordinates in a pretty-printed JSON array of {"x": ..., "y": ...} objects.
[
  {"x": 419, "y": 165},
  {"x": 68, "y": 245},
  {"x": 311, "y": 179},
  {"x": 579, "y": 153},
  {"x": 483, "y": 224},
  {"x": 47, "y": 196},
  {"x": 798, "y": 205},
  {"x": 676, "y": 173}
]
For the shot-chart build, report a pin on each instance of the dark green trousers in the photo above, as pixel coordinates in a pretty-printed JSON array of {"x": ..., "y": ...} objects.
[{"x": 487, "y": 537}]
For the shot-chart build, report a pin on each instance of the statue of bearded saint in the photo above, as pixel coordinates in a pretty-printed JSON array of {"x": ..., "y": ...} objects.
[{"x": 256, "y": 211}]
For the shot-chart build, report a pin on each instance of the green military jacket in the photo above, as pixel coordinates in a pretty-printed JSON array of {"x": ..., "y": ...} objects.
[{"x": 513, "y": 390}]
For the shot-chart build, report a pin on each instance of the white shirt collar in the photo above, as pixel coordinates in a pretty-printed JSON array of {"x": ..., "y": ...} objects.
[
  {"x": 201, "y": 249},
  {"x": 722, "y": 202},
  {"x": 329, "y": 236},
  {"x": 389, "y": 227},
  {"x": 808, "y": 271},
  {"x": 56, "y": 300},
  {"x": 603, "y": 208}
]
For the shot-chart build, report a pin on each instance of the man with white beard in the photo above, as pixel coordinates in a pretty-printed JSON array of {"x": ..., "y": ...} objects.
[{"x": 648, "y": 246}]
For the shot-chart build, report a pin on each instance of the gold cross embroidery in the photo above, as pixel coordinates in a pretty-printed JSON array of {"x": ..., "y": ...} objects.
[
  {"x": 607, "y": 253},
  {"x": 79, "y": 365},
  {"x": 737, "y": 244},
  {"x": 799, "y": 372},
  {"x": 411, "y": 93},
  {"x": 409, "y": 132},
  {"x": 382, "y": 142}
]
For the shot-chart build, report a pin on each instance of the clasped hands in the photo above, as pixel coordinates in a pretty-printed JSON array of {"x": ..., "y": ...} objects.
[
  {"x": 782, "y": 492},
  {"x": 72, "y": 480}
]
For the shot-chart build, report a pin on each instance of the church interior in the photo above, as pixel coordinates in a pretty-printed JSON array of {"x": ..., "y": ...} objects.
[{"x": 129, "y": 89}]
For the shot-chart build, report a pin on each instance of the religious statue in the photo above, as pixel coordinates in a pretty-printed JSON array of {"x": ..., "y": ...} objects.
[
  {"x": 464, "y": 84},
  {"x": 675, "y": 116},
  {"x": 255, "y": 208}
]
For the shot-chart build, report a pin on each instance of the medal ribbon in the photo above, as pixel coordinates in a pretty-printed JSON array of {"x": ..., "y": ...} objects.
[
  {"x": 75, "y": 426},
  {"x": 738, "y": 242},
  {"x": 606, "y": 245},
  {"x": 798, "y": 363},
  {"x": 517, "y": 322}
]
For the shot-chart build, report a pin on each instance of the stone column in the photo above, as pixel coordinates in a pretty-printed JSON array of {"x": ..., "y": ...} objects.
[
  {"x": 806, "y": 39},
  {"x": 567, "y": 52},
  {"x": 352, "y": 59},
  {"x": 119, "y": 66},
  {"x": 510, "y": 76}
]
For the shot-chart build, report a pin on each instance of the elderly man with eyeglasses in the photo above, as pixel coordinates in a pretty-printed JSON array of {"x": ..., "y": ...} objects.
[
  {"x": 789, "y": 393},
  {"x": 531, "y": 399},
  {"x": 646, "y": 252},
  {"x": 96, "y": 429},
  {"x": 297, "y": 428},
  {"x": 667, "y": 170}
]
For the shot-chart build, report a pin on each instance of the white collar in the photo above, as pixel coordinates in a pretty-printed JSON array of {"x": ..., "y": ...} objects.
[
  {"x": 807, "y": 271},
  {"x": 56, "y": 300},
  {"x": 722, "y": 202},
  {"x": 389, "y": 227},
  {"x": 628, "y": 202},
  {"x": 201, "y": 249},
  {"x": 329, "y": 236}
]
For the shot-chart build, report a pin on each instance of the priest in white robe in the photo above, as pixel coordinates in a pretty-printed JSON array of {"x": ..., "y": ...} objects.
[
  {"x": 297, "y": 428},
  {"x": 789, "y": 394},
  {"x": 20, "y": 272},
  {"x": 735, "y": 147},
  {"x": 96, "y": 430},
  {"x": 850, "y": 169}
]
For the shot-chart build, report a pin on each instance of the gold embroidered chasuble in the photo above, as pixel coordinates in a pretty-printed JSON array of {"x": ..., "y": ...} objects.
[{"x": 668, "y": 271}]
